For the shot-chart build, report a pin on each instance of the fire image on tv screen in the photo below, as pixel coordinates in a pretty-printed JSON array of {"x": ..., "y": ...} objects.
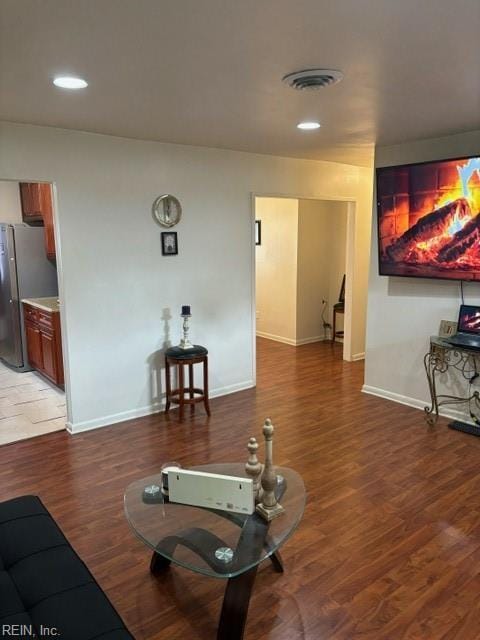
[{"x": 429, "y": 219}]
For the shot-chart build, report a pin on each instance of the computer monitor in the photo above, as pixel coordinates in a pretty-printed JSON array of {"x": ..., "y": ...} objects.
[{"x": 469, "y": 319}]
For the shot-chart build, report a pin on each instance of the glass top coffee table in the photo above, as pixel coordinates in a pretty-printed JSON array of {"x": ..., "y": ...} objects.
[{"x": 217, "y": 543}]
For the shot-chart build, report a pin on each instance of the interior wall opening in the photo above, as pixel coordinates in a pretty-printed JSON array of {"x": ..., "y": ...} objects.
[
  {"x": 303, "y": 255},
  {"x": 32, "y": 378}
]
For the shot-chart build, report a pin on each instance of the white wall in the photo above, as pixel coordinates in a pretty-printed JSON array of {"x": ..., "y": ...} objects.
[
  {"x": 276, "y": 281},
  {"x": 10, "y": 206},
  {"x": 312, "y": 270},
  {"x": 404, "y": 312},
  {"x": 116, "y": 285},
  {"x": 337, "y": 253},
  {"x": 321, "y": 263}
]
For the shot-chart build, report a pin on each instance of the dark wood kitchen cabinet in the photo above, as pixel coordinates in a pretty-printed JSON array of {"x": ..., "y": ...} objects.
[
  {"x": 37, "y": 208},
  {"x": 44, "y": 342},
  {"x": 34, "y": 345},
  {"x": 48, "y": 355},
  {"x": 36, "y": 200},
  {"x": 49, "y": 234}
]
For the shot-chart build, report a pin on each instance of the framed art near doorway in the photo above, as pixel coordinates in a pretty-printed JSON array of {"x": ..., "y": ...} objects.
[{"x": 258, "y": 232}]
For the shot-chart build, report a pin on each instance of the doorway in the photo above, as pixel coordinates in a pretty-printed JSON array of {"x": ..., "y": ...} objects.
[
  {"x": 32, "y": 381},
  {"x": 303, "y": 251}
]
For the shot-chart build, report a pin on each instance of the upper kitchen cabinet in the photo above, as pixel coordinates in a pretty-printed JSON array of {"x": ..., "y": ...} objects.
[
  {"x": 37, "y": 207},
  {"x": 36, "y": 198},
  {"x": 48, "y": 223}
]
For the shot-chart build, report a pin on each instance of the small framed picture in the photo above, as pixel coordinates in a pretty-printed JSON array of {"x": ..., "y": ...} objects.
[
  {"x": 447, "y": 328},
  {"x": 258, "y": 232},
  {"x": 169, "y": 243}
]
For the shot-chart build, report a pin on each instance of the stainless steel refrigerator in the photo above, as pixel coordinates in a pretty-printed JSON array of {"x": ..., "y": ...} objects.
[{"x": 25, "y": 272}]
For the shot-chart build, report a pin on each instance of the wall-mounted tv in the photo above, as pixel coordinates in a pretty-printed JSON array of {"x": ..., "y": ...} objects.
[{"x": 429, "y": 219}]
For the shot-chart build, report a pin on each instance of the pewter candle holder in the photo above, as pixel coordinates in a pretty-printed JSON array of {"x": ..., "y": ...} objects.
[{"x": 185, "y": 341}]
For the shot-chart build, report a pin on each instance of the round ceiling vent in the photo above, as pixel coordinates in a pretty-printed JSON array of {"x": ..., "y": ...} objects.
[{"x": 312, "y": 78}]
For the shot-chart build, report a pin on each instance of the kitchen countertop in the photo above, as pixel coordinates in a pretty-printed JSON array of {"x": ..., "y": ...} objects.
[{"x": 46, "y": 304}]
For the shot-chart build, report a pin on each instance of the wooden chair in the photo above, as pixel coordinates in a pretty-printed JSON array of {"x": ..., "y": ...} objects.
[{"x": 339, "y": 307}]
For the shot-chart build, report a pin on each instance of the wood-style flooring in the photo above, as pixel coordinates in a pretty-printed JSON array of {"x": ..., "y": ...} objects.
[{"x": 389, "y": 546}]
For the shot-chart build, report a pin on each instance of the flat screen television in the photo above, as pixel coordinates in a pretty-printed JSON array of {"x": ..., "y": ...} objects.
[{"x": 429, "y": 219}]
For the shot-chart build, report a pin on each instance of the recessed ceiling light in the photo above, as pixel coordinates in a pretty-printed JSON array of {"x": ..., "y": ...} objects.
[
  {"x": 70, "y": 82},
  {"x": 308, "y": 126}
]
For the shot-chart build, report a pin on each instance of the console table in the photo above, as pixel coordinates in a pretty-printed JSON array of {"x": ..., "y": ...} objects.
[{"x": 442, "y": 357}]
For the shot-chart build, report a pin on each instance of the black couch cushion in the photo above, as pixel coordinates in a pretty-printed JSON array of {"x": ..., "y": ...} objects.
[
  {"x": 42, "y": 575},
  {"x": 25, "y": 536},
  {"x": 10, "y": 601},
  {"x": 44, "y": 583}
]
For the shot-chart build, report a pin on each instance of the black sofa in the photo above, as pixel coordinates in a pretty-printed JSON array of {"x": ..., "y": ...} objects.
[{"x": 45, "y": 589}]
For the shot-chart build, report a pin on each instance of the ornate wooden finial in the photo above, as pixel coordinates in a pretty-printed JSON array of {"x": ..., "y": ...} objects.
[
  {"x": 253, "y": 467},
  {"x": 269, "y": 508}
]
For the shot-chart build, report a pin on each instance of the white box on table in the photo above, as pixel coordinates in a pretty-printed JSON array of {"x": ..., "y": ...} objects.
[{"x": 212, "y": 490}]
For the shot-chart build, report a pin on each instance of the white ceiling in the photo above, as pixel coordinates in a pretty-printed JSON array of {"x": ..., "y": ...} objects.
[{"x": 208, "y": 72}]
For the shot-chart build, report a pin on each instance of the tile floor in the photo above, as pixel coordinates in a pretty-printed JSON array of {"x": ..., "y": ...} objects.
[{"x": 29, "y": 406}]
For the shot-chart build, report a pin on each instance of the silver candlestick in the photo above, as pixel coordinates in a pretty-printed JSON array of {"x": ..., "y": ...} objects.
[{"x": 185, "y": 341}]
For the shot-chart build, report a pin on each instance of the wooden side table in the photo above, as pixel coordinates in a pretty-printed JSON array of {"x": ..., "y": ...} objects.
[{"x": 186, "y": 394}]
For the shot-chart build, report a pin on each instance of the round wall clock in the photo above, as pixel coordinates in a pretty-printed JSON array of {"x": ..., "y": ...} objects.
[{"x": 167, "y": 210}]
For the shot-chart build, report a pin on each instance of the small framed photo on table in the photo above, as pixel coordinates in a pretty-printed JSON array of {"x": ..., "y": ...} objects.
[
  {"x": 169, "y": 243},
  {"x": 447, "y": 328}
]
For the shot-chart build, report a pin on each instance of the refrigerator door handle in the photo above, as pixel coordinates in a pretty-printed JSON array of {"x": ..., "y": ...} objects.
[{"x": 13, "y": 265}]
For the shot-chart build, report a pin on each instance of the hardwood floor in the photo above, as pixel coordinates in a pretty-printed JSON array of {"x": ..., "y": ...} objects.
[{"x": 389, "y": 546}]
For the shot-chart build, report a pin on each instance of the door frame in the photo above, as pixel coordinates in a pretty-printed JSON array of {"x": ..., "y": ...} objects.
[
  {"x": 349, "y": 267},
  {"x": 63, "y": 313}
]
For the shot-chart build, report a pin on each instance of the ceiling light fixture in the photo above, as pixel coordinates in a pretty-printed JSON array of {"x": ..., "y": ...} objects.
[
  {"x": 70, "y": 82},
  {"x": 308, "y": 126}
]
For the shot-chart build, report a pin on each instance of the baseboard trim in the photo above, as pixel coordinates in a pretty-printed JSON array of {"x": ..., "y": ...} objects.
[
  {"x": 271, "y": 336},
  {"x": 114, "y": 418},
  {"x": 105, "y": 421},
  {"x": 290, "y": 341},
  {"x": 445, "y": 412},
  {"x": 231, "y": 388},
  {"x": 298, "y": 343},
  {"x": 358, "y": 356}
]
